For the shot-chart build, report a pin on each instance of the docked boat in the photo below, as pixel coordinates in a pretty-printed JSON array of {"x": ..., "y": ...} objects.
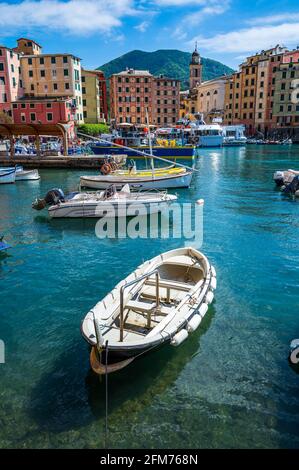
[
  {"x": 161, "y": 302},
  {"x": 21, "y": 174},
  {"x": 136, "y": 139},
  {"x": 208, "y": 135},
  {"x": 7, "y": 175},
  {"x": 26, "y": 175},
  {"x": 3, "y": 244},
  {"x": 108, "y": 203},
  {"x": 180, "y": 178},
  {"x": 234, "y": 136},
  {"x": 283, "y": 177}
]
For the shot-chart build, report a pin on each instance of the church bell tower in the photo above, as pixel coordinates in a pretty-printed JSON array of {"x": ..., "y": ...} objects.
[{"x": 195, "y": 69}]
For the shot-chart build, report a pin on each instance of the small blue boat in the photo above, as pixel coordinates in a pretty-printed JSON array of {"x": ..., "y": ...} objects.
[{"x": 3, "y": 245}]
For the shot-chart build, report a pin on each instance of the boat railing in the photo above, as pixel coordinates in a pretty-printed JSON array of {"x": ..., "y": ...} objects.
[{"x": 129, "y": 284}]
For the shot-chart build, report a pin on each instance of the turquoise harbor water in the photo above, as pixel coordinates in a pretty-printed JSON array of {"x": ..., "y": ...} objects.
[{"x": 229, "y": 385}]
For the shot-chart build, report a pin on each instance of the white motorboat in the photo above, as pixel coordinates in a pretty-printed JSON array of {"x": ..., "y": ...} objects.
[
  {"x": 23, "y": 175},
  {"x": 7, "y": 175},
  {"x": 109, "y": 203},
  {"x": 158, "y": 180},
  {"x": 234, "y": 136},
  {"x": 26, "y": 175},
  {"x": 162, "y": 301},
  {"x": 283, "y": 177}
]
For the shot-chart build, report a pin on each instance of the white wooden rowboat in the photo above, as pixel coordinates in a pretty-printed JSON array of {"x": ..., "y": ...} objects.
[
  {"x": 162, "y": 301},
  {"x": 158, "y": 181}
]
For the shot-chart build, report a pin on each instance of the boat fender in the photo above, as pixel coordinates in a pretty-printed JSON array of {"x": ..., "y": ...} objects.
[
  {"x": 213, "y": 283},
  {"x": 194, "y": 323},
  {"x": 200, "y": 202},
  {"x": 209, "y": 297},
  {"x": 294, "y": 351},
  {"x": 203, "y": 310},
  {"x": 179, "y": 338},
  {"x": 213, "y": 271}
]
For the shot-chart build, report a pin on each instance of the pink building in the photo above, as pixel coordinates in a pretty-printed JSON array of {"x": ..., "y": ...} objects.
[
  {"x": 11, "y": 87},
  {"x": 291, "y": 57},
  {"x": 45, "y": 111}
]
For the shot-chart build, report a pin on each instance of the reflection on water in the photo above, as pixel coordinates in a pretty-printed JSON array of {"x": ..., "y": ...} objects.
[{"x": 229, "y": 385}]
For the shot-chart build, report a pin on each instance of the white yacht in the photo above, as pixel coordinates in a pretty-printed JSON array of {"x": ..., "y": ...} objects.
[
  {"x": 207, "y": 135},
  {"x": 234, "y": 135}
]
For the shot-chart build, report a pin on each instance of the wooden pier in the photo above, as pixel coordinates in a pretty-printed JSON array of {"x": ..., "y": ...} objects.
[{"x": 53, "y": 161}]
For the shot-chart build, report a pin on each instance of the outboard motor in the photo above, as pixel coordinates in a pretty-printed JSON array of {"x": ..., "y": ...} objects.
[
  {"x": 279, "y": 178},
  {"x": 292, "y": 187},
  {"x": 53, "y": 197}
]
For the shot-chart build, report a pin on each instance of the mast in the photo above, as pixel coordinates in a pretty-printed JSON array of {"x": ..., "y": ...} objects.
[{"x": 149, "y": 141}]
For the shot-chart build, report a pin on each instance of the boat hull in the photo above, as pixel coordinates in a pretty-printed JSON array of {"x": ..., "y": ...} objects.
[
  {"x": 136, "y": 183},
  {"x": 27, "y": 175},
  {"x": 111, "y": 209},
  {"x": 210, "y": 141},
  {"x": 167, "y": 152},
  {"x": 7, "y": 176}
]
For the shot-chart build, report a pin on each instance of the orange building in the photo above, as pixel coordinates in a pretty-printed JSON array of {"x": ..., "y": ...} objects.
[
  {"x": 249, "y": 92},
  {"x": 135, "y": 92},
  {"x": 28, "y": 47}
]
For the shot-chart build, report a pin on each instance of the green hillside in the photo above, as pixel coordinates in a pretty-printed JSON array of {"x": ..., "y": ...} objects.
[{"x": 173, "y": 63}]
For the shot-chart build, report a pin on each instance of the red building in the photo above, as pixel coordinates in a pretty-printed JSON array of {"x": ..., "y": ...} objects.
[{"x": 45, "y": 111}]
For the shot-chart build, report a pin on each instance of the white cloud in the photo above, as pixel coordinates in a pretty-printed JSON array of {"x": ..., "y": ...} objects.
[
  {"x": 142, "y": 27},
  {"x": 250, "y": 39},
  {"x": 274, "y": 19},
  {"x": 72, "y": 16},
  {"x": 179, "y": 3},
  {"x": 213, "y": 7}
]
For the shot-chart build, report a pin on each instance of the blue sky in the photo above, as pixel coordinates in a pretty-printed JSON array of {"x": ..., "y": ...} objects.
[{"x": 100, "y": 30}]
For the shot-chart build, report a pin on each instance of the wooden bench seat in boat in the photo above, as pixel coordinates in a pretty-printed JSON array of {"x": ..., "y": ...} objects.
[
  {"x": 166, "y": 294},
  {"x": 169, "y": 284},
  {"x": 140, "y": 306},
  {"x": 144, "y": 316}
]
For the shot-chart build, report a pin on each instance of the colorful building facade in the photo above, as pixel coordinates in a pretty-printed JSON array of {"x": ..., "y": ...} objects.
[
  {"x": 53, "y": 75},
  {"x": 94, "y": 96},
  {"x": 45, "y": 111},
  {"x": 249, "y": 94},
  {"x": 286, "y": 98},
  {"x": 210, "y": 99},
  {"x": 134, "y": 94},
  {"x": 11, "y": 86}
]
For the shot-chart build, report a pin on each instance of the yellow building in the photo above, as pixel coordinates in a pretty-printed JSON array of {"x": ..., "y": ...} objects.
[
  {"x": 94, "y": 96},
  {"x": 53, "y": 75}
]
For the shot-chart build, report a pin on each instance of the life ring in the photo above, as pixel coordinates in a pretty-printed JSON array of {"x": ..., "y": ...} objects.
[{"x": 106, "y": 169}]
